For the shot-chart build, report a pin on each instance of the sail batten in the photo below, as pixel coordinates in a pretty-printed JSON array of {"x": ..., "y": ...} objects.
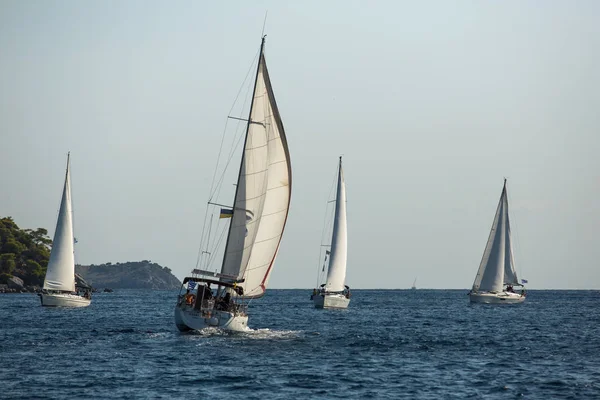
[
  {"x": 60, "y": 273},
  {"x": 263, "y": 192}
]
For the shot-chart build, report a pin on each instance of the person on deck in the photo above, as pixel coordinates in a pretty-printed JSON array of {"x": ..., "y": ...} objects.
[
  {"x": 189, "y": 298},
  {"x": 207, "y": 293},
  {"x": 227, "y": 300},
  {"x": 224, "y": 302}
]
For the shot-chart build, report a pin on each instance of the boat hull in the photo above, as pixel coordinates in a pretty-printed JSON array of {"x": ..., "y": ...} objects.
[
  {"x": 63, "y": 300},
  {"x": 330, "y": 301},
  {"x": 496, "y": 298},
  {"x": 188, "y": 319}
]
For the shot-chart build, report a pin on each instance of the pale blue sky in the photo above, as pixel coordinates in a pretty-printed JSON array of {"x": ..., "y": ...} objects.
[{"x": 432, "y": 103}]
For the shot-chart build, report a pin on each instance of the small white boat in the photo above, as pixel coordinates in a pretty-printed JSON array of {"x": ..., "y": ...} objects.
[
  {"x": 334, "y": 293},
  {"x": 59, "y": 283},
  {"x": 496, "y": 277},
  {"x": 52, "y": 299},
  {"x": 414, "y": 285},
  {"x": 257, "y": 221}
]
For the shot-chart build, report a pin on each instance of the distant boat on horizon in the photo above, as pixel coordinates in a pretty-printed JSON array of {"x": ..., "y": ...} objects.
[
  {"x": 414, "y": 285},
  {"x": 257, "y": 220},
  {"x": 59, "y": 283},
  {"x": 334, "y": 293},
  {"x": 496, "y": 277}
]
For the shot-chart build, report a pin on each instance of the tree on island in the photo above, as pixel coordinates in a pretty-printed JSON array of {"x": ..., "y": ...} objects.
[{"x": 23, "y": 252}]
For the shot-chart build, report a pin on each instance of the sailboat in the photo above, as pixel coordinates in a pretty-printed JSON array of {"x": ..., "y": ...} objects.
[
  {"x": 257, "y": 221},
  {"x": 414, "y": 285},
  {"x": 334, "y": 293},
  {"x": 496, "y": 277},
  {"x": 59, "y": 283}
]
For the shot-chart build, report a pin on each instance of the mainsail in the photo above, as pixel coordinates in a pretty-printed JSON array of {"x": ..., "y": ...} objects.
[
  {"x": 497, "y": 265},
  {"x": 336, "y": 274},
  {"x": 60, "y": 274},
  {"x": 263, "y": 192}
]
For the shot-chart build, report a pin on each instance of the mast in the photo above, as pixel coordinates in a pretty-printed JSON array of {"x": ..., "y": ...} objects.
[
  {"x": 491, "y": 272},
  {"x": 262, "y": 45},
  {"x": 60, "y": 272},
  {"x": 68, "y": 161},
  {"x": 510, "y": 274},
  {"x": 336, "y": 274}
]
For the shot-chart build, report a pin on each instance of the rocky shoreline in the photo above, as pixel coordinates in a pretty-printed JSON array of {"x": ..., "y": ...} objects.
[{"x": 16, "y": 285}]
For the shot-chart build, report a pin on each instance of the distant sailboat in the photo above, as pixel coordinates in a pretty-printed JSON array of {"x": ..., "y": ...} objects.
[
  {"x": 414, "y": 285},
  {"x": 257, "y": 222},
  {"x": 59, "y": 283},
  {"x": 334, "y": 293},
  {"x": 496, "y": 277}
]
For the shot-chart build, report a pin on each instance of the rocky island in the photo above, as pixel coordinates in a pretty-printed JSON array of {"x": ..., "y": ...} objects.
[
  {"x": 24, "y": 255},
  {"x": 129, "y": 275}
]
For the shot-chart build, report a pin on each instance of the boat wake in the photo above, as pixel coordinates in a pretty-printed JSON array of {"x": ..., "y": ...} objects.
[
  {"x": 266, "y": 333},
  {"x": 208, "y": 332},
  {"x": 257, "y": 334}
]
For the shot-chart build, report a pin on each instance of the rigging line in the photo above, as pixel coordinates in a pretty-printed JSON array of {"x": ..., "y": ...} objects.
[
  {"x": 220, "y": 183},
  {"x": 227, "y": 119},
  {"x": 202, "y": 236},
  {"x": 513, "y": 225},
  {"x": 212, "y": 216},
  {"x": 70, "y": 192},
  {"x": 216, "y": 246},
  {"x": 217, "y": 192},
  {"x": 239, "y": 129},
  {"x": 234, "y": 146},
  {"x": 212, "y": 185},
  {"x": 264, "y": 24},
  {"x": 325, "y": 225}
]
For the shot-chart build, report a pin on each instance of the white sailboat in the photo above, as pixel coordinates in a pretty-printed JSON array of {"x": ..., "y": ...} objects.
[
  {"x": 257, "y": 221},
  {"x": 59, "y": 283},
  {"x": 414, "y": 285},
  {"x": 496, "y": 277},
  {"x": 334, "y": 293}
]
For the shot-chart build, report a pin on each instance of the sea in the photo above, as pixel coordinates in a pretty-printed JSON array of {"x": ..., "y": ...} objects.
[{"x": 390, "y": 344}]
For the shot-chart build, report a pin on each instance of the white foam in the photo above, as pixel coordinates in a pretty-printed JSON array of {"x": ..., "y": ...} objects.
[{"x": 270, "y": 334}]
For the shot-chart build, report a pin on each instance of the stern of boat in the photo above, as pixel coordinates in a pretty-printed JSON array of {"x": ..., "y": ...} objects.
[
  {"x": 330, "y": 300},
  {"x": 188, "y": 318}
]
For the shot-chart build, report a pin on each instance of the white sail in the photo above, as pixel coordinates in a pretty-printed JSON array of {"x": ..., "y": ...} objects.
[
  {"x": 60, "y": 274},
  {"x": 510, "y": 275},
  {"x": 336, "y": 274},
  {"x": 263, "y": 193},
  {"x": 497, "y": 265}
]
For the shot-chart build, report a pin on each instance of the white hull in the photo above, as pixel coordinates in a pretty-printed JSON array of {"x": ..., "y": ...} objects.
[
  {"x": 186, "y": 319},
  {"x": 63, "y": 300},
  {"x": 331, "y": 301},
  {"x": 496, "y": 298}
]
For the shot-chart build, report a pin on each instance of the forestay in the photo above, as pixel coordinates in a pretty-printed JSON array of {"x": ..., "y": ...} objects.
[
  {"x": 263, "y": 193},
  {"x": 60, "y": 274},
  {"x": 336, "y": 274},
  {"x": 497, "y": 264}
]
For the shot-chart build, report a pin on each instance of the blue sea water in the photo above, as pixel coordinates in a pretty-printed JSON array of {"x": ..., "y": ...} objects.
[{"x": 424, "y": 344}]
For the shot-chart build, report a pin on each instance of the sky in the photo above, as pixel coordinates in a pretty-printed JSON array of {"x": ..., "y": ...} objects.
[{"x": 431, "y": 103}]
